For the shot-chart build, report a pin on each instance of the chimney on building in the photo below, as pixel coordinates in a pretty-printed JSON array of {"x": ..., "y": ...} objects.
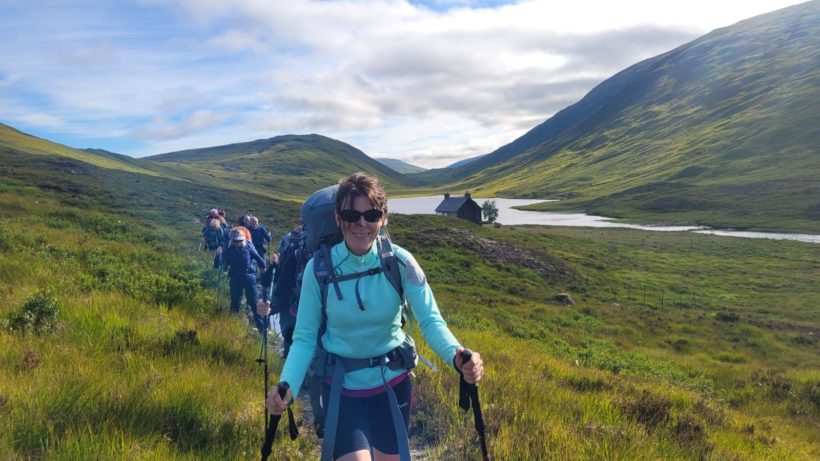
[
  {"x": 446, "y": 195},
  {"x": 468, "y": 196}
]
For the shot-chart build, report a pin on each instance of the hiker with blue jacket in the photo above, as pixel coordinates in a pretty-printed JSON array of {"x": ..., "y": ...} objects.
[
  {"x": 240, "y": 260},
  {"x": 214, "y": 237},
  {"x": 259, "y": 235},
  {"x": 363, "y": 336}
]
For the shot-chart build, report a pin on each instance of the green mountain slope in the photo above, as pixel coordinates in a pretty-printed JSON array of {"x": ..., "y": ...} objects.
[
  {"x": 400, "y": 166},
  {"x": 722, "y": 130},
  {"x": 13, "y": 139},
  {"x": 146, "y": 190},
  {"x": 680, "y": 346},
  {"x": 293, "y": 165}
]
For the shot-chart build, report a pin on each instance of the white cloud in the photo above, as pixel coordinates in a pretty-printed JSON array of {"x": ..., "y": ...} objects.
[
  {"x": 396, "y": 79},
  {"x": 162, "y": 129}
]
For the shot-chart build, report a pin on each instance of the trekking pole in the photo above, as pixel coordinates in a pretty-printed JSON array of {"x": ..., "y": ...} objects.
[
  {"x": 468, "y": 396},
  {"x": 264, "y": 359},
  {"x": 219, "y": 284},
  {"x": 273, "y": 422}
]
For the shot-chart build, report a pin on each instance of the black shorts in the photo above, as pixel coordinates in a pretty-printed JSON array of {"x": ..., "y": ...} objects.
[{"x": 366, "y": 421}]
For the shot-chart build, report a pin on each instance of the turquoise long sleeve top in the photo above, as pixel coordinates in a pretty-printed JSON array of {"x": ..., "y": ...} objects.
[{"x": 376, "y": 330}]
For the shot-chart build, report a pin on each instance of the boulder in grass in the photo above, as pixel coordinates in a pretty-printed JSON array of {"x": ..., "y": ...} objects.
[{"x": 565, "y": 299}]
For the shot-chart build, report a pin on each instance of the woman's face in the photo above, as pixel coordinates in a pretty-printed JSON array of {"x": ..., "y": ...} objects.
[{"x": 359, "y": 235}]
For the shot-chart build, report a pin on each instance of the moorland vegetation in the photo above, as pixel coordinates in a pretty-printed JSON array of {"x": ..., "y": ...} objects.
[{"x": 599, "y": 343}]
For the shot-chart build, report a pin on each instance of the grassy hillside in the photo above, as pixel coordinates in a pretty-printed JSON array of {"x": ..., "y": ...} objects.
[
  {"x": 111, "y": 344},
  {"x": 288, "y": 165},
  {"x": 14, "y": 140},
  {"x": 720, "y": 131},
  {"x": 679, "y": 346}
]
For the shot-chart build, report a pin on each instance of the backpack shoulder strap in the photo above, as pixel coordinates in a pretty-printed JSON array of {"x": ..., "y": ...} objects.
[
  {"x": 390, "y": 262},
  {"x": 325, "y": 275}
]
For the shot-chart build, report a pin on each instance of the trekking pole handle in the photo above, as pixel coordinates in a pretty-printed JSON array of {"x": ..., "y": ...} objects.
[
  {"x": 466, "y": 355},
  {"x": 282, "y": 388},
  {"x": 273, "y": 422},
  {"x": 468, "y": 397}
]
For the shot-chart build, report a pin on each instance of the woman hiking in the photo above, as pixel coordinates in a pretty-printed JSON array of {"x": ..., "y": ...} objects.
[
  {"x": 240, "y": 259},
  {"x": 214, "y": 236},
  {"x": 364, "y": 324}
]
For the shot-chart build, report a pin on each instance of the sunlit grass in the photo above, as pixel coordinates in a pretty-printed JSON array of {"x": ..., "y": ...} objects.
[{"x": 141, "y": 365}]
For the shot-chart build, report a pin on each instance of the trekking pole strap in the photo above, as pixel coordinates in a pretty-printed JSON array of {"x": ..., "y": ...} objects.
[
  {"x": 270, "y": 433},
  {"x": 468, "y": 397}
]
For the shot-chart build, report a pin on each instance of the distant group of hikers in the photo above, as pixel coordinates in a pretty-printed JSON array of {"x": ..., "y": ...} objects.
[
  {"x": 241, "y": 251},
  {"x": 343, "y": 292}
]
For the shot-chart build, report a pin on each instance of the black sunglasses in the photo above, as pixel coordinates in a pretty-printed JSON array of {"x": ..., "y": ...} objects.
[{"x": 351, "y": 216}]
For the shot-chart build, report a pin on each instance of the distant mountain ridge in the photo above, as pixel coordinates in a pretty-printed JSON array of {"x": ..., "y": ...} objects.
[
  {"x": 466, "y": 161},
  {"x": 292, "y": 164},
  {"x": 400, "y": 166},
  {"x": 722, "y": 130}
]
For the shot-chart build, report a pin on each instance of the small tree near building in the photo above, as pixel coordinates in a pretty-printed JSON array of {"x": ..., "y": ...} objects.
[{"x": 489, "y": 210}]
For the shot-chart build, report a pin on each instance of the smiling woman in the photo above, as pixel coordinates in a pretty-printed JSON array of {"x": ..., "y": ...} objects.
[
  {"x": 361, "y": 207},
  {"x": 358, "y": 322}
]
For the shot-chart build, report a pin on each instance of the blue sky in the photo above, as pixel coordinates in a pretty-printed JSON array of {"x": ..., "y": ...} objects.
[{"x": 427, "y": 81}]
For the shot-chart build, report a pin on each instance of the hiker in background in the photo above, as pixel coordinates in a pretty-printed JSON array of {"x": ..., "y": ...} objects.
[
  {"x": 212, "y": 214},
  {"x": 239, "y": 226},
  {"x": 284, "y": 298},
  {"x": 263, "y": 305},
  {"x": 260, "y": 236},
  {"x": 363, "y": 320},
  {"x": 222, "y": 219},
  {"x": 214, "y": 237},
  {"x": 220, "y": 215},
  {"x": 239, "y": 259}
]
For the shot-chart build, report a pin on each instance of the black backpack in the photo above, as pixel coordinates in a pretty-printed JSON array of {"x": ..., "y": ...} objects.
[{"x": 288, "y": 276}]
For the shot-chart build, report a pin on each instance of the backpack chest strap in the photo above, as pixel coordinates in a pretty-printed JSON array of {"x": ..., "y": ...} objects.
[{"x": 326, "y": 279}]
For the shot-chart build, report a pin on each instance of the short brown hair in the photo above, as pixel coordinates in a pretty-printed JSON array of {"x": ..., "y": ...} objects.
[{"x": 361, "y": 185}]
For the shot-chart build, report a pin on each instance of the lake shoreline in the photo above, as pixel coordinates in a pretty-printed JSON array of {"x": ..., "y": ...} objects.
[{"x": 513, "y": 212}]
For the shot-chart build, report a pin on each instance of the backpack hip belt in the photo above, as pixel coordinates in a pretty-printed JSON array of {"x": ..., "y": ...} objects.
[{"x": 402, "y": 357}]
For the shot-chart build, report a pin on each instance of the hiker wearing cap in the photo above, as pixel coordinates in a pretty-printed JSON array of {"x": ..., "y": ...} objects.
[
  {"x": 369, "y": 405},
  {"x": 240, "y": 259},
  {"x": 240, "y": 226}
]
